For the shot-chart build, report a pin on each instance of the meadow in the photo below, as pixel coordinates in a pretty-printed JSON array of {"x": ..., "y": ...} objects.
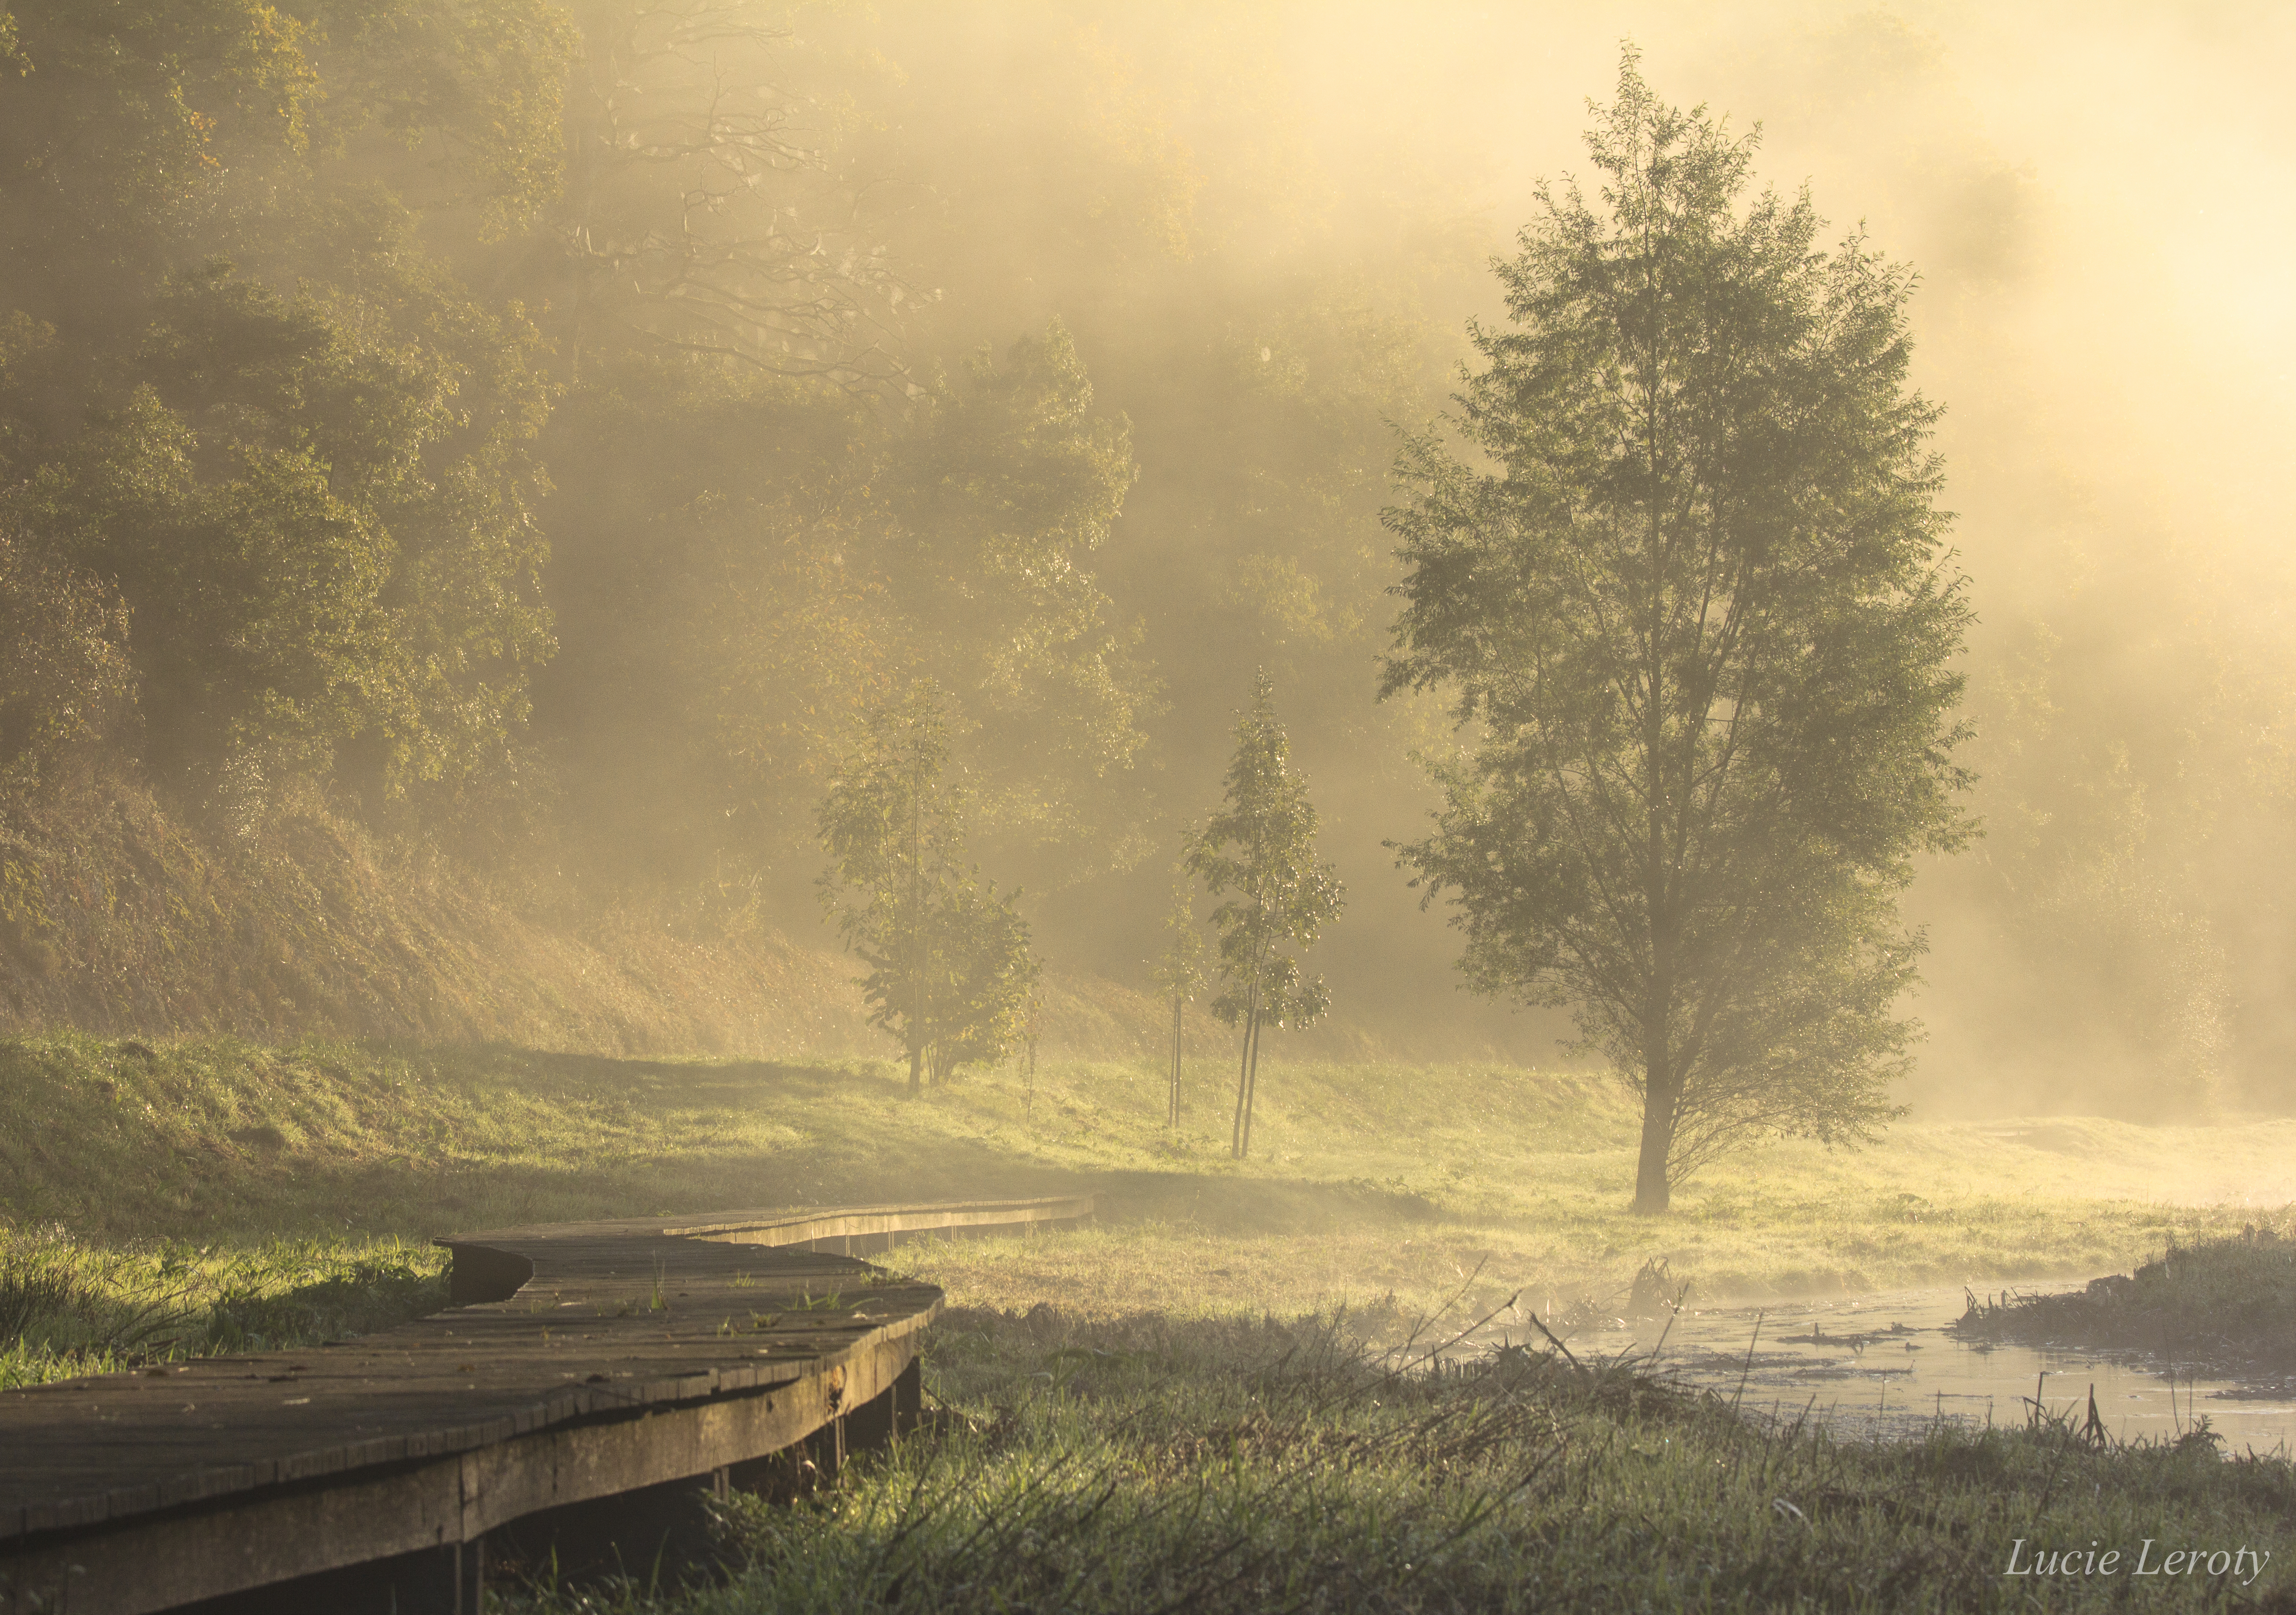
[
  {"x": 1219, "y": 1396},
  {"x": 1160, "y": 1464},
  {"x": 203, "y": 1193}
]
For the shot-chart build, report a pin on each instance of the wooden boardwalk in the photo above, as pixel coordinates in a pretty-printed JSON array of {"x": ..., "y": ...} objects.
[{"x": 578, "y": 1361}]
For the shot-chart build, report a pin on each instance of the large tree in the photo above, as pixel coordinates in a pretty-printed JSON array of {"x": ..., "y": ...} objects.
[{"x": 1693, "y": 604}]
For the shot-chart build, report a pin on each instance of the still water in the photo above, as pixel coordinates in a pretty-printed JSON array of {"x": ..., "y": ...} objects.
[{"x": 1887, "y": 1363}]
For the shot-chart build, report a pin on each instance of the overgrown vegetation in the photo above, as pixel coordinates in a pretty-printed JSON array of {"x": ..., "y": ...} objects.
[
  {"x": 2227, "y": 1303},
  {"x": 1321, "y": 1462}
]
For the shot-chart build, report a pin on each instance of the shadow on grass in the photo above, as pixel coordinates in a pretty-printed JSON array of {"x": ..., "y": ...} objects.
[
  {"x": 862, "y": 1140},
  {"x": 201, "y": 1140},
  {"x": 416, "y": 1201}
]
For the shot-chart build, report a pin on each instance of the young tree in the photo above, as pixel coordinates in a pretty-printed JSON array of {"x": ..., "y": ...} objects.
[
  {"x": 892, "y": 840},
  {"x": 1179, "y": 972},
  {"x": 1701, "y": 609},
  {"x": 983, "y": 972},
  {"x": 950, "y": 969},
  {"x": 1282, "y": 895}
]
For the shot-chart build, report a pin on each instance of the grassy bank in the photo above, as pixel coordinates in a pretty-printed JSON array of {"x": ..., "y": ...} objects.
[
  {"x": 119, "y": 915},
  {"x": 1122, "y": 1427},
  {"x": 2229, "y": 1302},
  {"x": 1368, "y": 1178},
  {"x": 1153, "y": 1463},
  {"x": 1370, "y": 1181},
  {"x": 69, "y": 1308}
]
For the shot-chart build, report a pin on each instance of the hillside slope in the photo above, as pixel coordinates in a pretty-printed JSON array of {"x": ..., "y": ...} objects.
[
  {"x": 117, "y": 917},
  {"x": 1363, "y": 1179}
]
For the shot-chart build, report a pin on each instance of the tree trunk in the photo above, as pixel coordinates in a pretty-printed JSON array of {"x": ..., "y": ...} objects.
[
  {"x": 916, "y": 950},
  {"x": 1176, "y": 1059},
  {"x": 1250, "y": 1089},
  {"x": 1244, "y": 1075},
  {"x": 1651, "y": 1192}
]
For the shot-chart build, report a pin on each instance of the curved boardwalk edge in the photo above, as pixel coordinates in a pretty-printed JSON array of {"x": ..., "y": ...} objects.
[{"x": 579, "y": 1362}]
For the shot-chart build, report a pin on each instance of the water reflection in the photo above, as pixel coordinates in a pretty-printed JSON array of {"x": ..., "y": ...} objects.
[{"x": 1886, "y": 1364}]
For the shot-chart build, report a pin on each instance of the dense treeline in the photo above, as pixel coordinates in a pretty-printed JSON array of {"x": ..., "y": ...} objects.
[
  {"x": 269, "y": 449},
  {"x": 250, "y": 420},
  {"x": 536, "y": 432},
  {"x": 504, "y": 426}
]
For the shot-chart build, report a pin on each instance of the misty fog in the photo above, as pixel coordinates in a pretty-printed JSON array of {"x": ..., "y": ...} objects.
[
  {"x": 1063, "y": 361},
  {"x": 1266, "y": 229}
]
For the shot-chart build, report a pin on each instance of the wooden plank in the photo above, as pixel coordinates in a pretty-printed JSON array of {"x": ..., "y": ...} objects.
[
  {"x": 615, "y": 1356},
  {"x": 878, "y": 1221},
  {"x": 153, "y": 1564},
  {"x": 170, "y": 1559}
]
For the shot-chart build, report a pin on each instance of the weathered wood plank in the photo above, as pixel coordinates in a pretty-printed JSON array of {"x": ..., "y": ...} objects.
[{"x": 610, "y": 1356}]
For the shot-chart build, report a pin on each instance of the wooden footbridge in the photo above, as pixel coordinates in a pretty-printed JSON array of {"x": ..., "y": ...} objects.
[{"x": 587, "y": 1378}]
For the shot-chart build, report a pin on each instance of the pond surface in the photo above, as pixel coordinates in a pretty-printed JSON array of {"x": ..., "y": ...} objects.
[{"x": 1886, "y": 1364}]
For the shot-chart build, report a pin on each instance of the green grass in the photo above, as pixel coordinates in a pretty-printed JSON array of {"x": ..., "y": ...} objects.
[
  {"x": 2229, "y": 1302},
  {"x": 216, "y": 1139},
  {"x": 1152, "y": 1463},
  {"x": 67, "y": 1308},
  {"x": 1369, "y": 1180},
  {"x": 1123, "y": 1427}
]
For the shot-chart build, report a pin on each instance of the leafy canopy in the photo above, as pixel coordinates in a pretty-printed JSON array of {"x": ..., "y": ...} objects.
[
  {"x": 241, "y": 392},
  {"x": 1691, "y": 598}
]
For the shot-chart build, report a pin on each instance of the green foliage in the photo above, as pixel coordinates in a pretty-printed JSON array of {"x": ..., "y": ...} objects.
[
  {"x": 1258, "y": 854},
  {"x": 121, "y": 129},
  {"x": 311, "y": 477},
  {"x": 893, "y": 832},
  {"x": 745, "y": 567},
  {"x": 982, "y": 972},
  {"x": 1004, "y": 493},
  {"x": 949, "y": 963},
  {"x": 1702, "y": 618},
  {"x": 1179, "y": 970},
  {"x": 318, "y": 511},
  {"x": 472, "y": 91},
  {"x": 64, "y": 677}
]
